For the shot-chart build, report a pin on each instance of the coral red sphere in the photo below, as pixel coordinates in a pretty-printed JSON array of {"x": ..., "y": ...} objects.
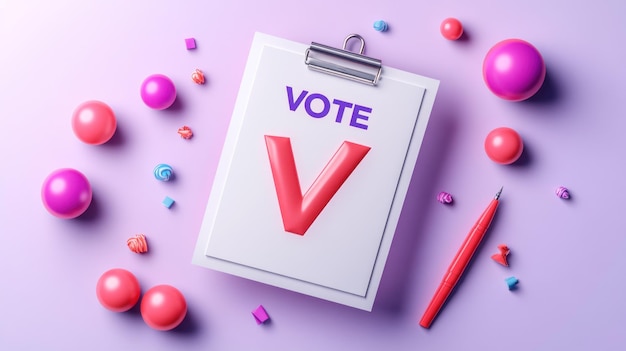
[
  {"x": 504, "y": 145},
  {"x": 118, "y": 290},
  {"x": 163, "y": 307},
  {"x": 451, "y": 28}
]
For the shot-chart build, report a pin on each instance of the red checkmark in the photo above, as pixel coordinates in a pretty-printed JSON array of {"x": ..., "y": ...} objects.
[{"x": 299, "y": 211}]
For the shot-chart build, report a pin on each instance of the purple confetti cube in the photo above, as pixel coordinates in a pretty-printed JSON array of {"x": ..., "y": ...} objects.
[
  {"x": 190, "y": 43},
  {"x": 260, "y": 315}
]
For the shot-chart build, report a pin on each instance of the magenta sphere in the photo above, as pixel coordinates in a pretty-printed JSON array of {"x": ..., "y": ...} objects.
[
  {"x": 514, "y": 70},
  {"x": 158, "y": 92},
  {"x": 66, "y": 193}
]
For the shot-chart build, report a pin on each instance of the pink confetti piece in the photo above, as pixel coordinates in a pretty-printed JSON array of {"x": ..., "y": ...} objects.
[
  {"x": 562, "y": 192},
  {"x": 444, "y": 198}
]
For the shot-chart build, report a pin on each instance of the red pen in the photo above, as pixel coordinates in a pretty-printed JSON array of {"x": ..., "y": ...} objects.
[{"x": 460, "y": 262}]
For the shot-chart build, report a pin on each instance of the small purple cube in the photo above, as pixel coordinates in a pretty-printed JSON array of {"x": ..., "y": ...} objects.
[
  {"x": 260, "y": 315},
  {"x": 190, "y": 43}
]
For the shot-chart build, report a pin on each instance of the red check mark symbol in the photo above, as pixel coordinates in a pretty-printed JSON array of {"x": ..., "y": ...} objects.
[{"x": 300, "y": 211}]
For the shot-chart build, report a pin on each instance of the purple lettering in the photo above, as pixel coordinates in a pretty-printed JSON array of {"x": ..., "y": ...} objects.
[
  {"x": 356, "y": 116},
  {"x": 310, "y": 111},
  {"x": 293, "y": 105},
  {"x": 342, "y": 106},
  {"x": 360, "y": 114}
]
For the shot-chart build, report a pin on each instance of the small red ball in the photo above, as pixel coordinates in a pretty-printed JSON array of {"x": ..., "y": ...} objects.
[
  {"x": 451, "y": 28},
  {"x": 118, "y": 290},
  {"x": 504, "y": 145},
  {"x": 163, "y": 307}
]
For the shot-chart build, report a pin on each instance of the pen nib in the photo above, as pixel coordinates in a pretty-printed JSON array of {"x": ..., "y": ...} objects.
[{"x": 498, "y": 193}]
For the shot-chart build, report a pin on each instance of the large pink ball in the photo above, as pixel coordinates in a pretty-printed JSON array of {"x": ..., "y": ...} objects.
[
  {"x": 118, "y": 290},
  {"x": 94, "y": 122},
  {"x": 158, "y": 92},
  {"x": 66, "y": 193},
  {"x": 163, "y": 307},
  {"x": 514, "y": 70}
]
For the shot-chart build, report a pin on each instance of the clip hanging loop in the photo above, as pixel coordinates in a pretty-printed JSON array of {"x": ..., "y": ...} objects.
[
  {"x": 343, "y": 63},
  {"x": 360, "y": 38}
]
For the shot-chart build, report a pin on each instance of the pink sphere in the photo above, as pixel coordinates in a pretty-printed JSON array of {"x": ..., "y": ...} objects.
[
  {"x": 118, "y": 290},
  {"x": 163, "y": 307},
  {"x": 451, "y": 28},
  {"x": 514, "y": 70},
  {"x": 158, "y": 92},
  {"x": 66, "y": 193},
  {"x": 94, "y": 122},
  {"x": 504, "y": 145}
]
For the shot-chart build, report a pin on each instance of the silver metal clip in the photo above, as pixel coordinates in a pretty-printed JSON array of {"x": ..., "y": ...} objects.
[{"x": 343, "y": 63}]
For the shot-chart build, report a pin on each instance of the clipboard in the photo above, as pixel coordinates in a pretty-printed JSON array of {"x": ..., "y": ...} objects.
[{"x": 315, "y": 168}]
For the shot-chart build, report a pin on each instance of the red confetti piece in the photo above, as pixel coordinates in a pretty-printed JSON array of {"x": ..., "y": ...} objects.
[
  {"x": 501, "y": 256},
  {"x": 137, "y": 243},
  {"x": 197, "y": 76},
  {"x": 185, "y": 132}
]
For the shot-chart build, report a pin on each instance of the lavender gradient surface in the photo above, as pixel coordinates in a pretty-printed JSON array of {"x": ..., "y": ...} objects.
[{"x": 567, "y": 253}]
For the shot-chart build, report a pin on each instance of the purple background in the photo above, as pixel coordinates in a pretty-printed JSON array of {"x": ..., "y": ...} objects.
[{"x": 568, "y": 255}]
